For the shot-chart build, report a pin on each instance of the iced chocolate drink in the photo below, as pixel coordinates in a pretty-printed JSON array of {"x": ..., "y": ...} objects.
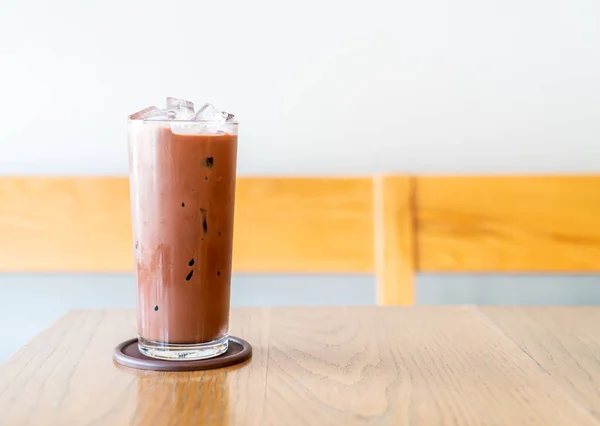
[{"x": 182, "y": 185}]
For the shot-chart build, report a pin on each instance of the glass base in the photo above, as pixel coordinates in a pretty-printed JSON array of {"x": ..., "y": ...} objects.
[{"x": 179, "y": 352}]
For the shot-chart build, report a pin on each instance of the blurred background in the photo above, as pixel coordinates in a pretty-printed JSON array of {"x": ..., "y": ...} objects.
[{"x": 321, "y": 88}]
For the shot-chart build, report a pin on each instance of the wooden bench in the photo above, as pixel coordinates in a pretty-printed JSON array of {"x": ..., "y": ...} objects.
[
  {"x": 393, "y": 226},
  {"x": 494, "y": 224}
]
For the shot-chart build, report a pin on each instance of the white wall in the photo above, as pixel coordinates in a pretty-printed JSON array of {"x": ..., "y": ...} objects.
[{"x": 428, "y": 85}]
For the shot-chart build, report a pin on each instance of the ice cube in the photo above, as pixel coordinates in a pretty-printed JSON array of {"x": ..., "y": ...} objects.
[
  {"x": 202, "y": 128},
  {"x": 208, "y": 120},
  {"x": 189, "y": 128},
  {"x": 141, "y": 114},
  {"x": 211, "y": 122},
  {"x": 185, "y": 109},
  {"x": 209, "y": 113},
  {"x": 161, "y": 114},
  {"x": 177, "y": 109},
  {"x": 179, "y": 103}
]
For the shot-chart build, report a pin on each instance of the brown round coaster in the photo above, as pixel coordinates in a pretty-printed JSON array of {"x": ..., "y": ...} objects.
[{"x": 128, "y": 354}]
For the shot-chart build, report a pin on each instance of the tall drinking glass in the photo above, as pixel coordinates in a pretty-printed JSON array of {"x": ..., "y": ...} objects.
[{"x": 182, "y": 188}]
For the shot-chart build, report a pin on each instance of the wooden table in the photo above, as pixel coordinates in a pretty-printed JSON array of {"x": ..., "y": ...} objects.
[{"x": 334, "y": 366}]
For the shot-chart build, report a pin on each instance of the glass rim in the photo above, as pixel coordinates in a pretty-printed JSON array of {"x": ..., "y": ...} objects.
[{"x": 217, "y": 122}]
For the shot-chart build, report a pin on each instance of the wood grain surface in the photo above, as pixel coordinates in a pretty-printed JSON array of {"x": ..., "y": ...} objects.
[
  {"x": 283, "y": 224},
  {"x": 77, "y": 224},
  {"x": 65, "y": 224},
  {"x": 393, "y": 211},
  {"x": 303, "y": 225},
  {"x": 563, "y": 341},
  {"x": 508, "y": 223},
  {"x": 330, "y": 366}
]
